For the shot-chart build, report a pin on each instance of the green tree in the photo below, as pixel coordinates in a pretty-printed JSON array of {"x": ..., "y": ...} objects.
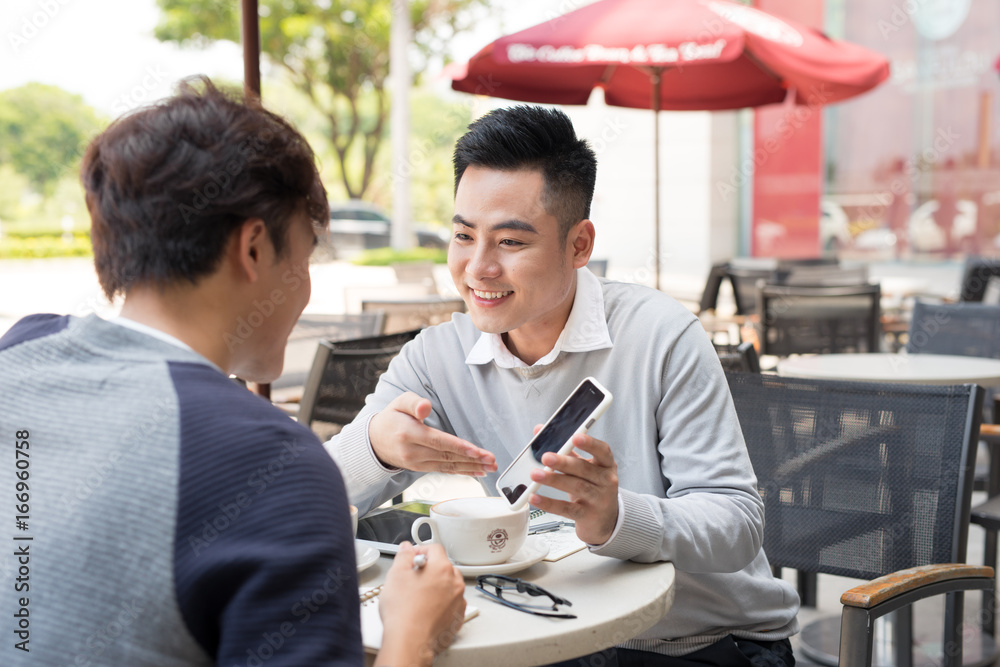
[
  {"x": 336, "y": 52},
  {"x": 43, "y": 132}
]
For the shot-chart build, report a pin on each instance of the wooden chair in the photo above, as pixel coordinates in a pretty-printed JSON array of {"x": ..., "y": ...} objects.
[{"x": 869, "y": 481}]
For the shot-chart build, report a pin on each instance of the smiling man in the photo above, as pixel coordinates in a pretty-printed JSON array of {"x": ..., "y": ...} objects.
[{"x": 668, "y": 478}]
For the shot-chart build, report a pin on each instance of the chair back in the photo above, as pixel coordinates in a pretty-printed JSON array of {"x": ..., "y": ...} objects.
[
  {"x": 408, "y": 314},
  {"x": 860, "y": 479},
  {"x": 740, "y": 358},
  {"x": 818, "y": 319},
  {"x": 976, "y": 277},
  {"x": 965, "y": 329},
  {"x": 339, "y": 326},
  {"x": 344, "y": 373},
  {"x": 599, "y": 267}
]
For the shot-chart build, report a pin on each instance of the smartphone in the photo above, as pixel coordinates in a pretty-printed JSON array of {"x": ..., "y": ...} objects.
[
  {"x": 385, "y": 528},
  {"x": 576, "y": 415}
]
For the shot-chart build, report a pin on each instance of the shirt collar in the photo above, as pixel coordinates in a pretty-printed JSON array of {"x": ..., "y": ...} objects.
[{"x": 585, "y": 330}]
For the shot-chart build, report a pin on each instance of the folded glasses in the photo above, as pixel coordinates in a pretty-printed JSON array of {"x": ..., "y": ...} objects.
[{"x": 500, "y": 583}]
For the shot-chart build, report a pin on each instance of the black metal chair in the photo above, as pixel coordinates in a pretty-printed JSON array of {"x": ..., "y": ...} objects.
[
  {"x": 740, "y": 357},
  {"x": 976, "y": 276},
  {"x": 344, "y": 373},
  {"x": 870, "y": 481},
  {"x": 818, "y": 319}
]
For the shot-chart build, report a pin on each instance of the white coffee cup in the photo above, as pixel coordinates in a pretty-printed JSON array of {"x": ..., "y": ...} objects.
[
  {"x": 476, "y": 531},
  {"x": 354, "y": 520}
]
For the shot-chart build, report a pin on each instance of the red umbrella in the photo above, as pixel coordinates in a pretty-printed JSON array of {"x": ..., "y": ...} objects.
[{"x": 671, "y": 54}]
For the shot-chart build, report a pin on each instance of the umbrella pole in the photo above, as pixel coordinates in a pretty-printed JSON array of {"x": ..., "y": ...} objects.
[{"x": 656, "y": 170}]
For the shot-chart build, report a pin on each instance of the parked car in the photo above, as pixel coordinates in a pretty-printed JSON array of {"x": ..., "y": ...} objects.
[{"x": 358, "y": 225}]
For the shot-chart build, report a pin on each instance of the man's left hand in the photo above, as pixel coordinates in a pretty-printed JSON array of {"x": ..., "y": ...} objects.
[{"x": 592, "y": 485}]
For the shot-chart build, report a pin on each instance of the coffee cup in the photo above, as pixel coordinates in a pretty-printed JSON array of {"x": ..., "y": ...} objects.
[
  {"x": 354, "y": 520},
  {"x": 475, "y": 531}
]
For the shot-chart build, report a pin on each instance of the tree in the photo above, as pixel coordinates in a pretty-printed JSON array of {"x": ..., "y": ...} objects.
[
  {"x": 336, "y": 52},
  {"x": 43, "y": 132}
]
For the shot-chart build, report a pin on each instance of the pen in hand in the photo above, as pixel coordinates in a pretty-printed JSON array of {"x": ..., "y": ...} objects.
[{"x": 419, "y": 561}]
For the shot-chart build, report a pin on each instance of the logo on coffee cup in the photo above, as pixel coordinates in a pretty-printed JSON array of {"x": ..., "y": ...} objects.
[{"x": 497, "y": 539}]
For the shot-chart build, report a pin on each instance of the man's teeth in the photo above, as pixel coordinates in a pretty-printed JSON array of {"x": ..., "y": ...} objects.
[{"x": 490, "y": 295}]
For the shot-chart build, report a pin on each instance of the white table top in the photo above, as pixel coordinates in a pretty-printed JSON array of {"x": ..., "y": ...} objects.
[
  {"x": 614, "y": 601},
  {"x": 889, "y": 367}
]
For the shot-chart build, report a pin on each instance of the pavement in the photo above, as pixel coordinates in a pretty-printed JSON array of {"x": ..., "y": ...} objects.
[{"x": 71, "y": 286}]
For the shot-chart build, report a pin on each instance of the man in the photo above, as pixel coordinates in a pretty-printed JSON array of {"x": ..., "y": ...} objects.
[
  {"x": 669, "y": 477},
  {"x": 169, "y": 516}
]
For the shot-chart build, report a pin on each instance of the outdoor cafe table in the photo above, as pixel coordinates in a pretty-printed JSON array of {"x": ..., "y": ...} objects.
[
  {"x": 613, "y": 600},
  {"x": 891, "y": 367}
]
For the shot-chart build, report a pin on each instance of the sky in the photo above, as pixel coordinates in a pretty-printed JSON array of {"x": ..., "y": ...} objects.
[{"x": 105, "y": 50}]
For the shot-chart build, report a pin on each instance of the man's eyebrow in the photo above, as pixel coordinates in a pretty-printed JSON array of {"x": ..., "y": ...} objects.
[{"x": 516, "y": 225}]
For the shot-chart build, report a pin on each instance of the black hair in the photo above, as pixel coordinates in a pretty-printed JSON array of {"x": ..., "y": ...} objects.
[
  {"x": 168, "y": 185},
  {"x": 533, "y": 137}
]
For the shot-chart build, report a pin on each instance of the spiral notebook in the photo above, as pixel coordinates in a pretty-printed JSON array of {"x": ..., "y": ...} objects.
[{"x": 371, "y": 622}]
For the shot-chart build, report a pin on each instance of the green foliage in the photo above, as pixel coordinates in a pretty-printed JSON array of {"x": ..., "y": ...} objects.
[
  {"x": 36, "y": 247},
  {"x": 337, "y": 54},
  {"x": 43, "y": 133},
  {"x": 387, "y": 256}
]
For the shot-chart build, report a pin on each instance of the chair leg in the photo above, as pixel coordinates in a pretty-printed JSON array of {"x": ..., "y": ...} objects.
[
  {"x": 988, "y": 614},
  {"x": 902, "y": 636},
  {"x": 954, "y": 602},
  {"x": 806, "y": 582}
]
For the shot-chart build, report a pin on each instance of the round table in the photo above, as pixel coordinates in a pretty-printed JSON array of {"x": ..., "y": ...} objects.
[
  {"x": 614, "y": 601},
  {"x": 888, "y": 367}
]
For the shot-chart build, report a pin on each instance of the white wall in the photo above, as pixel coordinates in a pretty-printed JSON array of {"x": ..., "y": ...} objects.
[{"x": 698, "y": 226}]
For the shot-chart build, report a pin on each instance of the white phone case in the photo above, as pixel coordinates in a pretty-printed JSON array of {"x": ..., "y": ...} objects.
[{"x": 517, "y": 472}]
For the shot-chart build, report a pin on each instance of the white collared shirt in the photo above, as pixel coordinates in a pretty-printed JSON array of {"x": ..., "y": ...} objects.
[{"x": 585, "y": 330}]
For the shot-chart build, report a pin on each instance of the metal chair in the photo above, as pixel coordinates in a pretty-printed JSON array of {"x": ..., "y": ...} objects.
[
  {"x": 740, "y": 357},
  {"x": 975, "y": 277},
  {"x": 408, "y": 314},
  {"x": 344, "y": 373},
  {"x": 339, "y": 326},
  {"x": 817, "y": 319},
  {"x": 870, "y": 481}
]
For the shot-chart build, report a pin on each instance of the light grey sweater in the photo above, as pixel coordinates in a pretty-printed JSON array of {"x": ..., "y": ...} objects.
[{"x": 687, "y": 486}]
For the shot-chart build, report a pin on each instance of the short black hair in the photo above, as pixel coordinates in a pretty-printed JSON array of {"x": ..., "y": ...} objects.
[
  {"x": 533, "y": 137},
  {"x": 168, "y": 185}
]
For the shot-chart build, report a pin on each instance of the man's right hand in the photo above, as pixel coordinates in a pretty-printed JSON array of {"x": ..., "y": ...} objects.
[{"x": 400, "y": 439}]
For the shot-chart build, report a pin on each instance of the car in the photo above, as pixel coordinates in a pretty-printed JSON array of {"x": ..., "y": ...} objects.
[{"x": 357, "y": 225}]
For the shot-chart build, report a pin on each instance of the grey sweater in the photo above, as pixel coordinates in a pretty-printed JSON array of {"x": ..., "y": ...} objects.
[{"x": 687, "y": 486}]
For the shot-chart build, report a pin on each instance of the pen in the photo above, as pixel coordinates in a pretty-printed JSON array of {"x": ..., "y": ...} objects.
[
  {"x": 419, "y": 561},
  {"x": 544, "y": 529}
]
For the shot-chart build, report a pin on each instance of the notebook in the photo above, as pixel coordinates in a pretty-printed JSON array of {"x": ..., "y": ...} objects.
[
  {"x": 562, "y": 542},
  {"x": 371, "y": 622}
]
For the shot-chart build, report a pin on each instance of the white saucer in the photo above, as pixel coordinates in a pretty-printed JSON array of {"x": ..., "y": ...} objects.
[
  {"x": 535, "y": 548},
  {"x": 366, "y": 555}
]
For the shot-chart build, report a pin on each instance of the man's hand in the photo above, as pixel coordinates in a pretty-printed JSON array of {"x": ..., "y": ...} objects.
[
  {"x": 592, "y": 485},
  {"x": 422, "y": 609},
  {"x": 401, "y": 440}
]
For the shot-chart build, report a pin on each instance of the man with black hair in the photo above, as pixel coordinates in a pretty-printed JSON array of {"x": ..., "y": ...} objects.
[
  {"x": 669, "y": 477},
  {"x": 172, "y": 517}
]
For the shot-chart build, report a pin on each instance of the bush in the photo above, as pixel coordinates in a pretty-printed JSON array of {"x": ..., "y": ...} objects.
[
  {"x": 387, "y": 256},
  {"x": 45, "y": 246}
]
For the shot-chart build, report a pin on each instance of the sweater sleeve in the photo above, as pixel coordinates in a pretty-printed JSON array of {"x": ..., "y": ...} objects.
[
  {"x": 264, "y": 559},
  {"x": 711, "y": 518}
]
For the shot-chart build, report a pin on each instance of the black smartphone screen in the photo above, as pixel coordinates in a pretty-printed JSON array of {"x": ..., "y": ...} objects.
[
  {"x": 391, "y": 526},
  {"x": 565, "y": 422}
]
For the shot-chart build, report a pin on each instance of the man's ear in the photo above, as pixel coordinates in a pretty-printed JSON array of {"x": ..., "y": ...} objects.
[
  {"x": 581, "y": 238},
  {"x": 252, "y": 246}
]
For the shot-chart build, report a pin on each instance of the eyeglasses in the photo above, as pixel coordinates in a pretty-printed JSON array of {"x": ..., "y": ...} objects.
[{"x": 501, "y": 583}]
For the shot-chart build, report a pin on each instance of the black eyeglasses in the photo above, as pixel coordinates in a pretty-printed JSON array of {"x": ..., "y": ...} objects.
[{"x": 501, "y": 583}]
